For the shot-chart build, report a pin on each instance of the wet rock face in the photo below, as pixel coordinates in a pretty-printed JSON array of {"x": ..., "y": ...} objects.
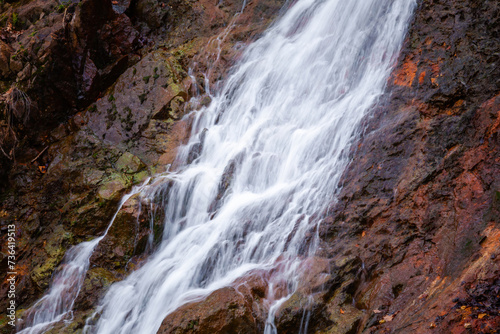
[
  {"x": 239, "y": 308},
  {"x": 63, "y": 56},
  {"x": 87, "y": 55},
  {"x": 223, "y": 311},
  {"x": 323, "y": 300},
  {"x": 60, "y": 56},
  {"x": 418, "y": 204},
  {"x": 323, "y": 284},
  {"x": 142, "y": 106},
  {"x": 448, "y": 43}
]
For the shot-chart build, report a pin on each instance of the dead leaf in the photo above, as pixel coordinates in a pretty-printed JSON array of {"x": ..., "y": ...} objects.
[
  {"x": 381, "y": 321},
  {"x": 463, "y": 307},
  {"x": 377, "y": 311},
  {"x": 341, "y": 311},
  {"x": 363, "y": 234},
  {"x": 482, "y": 315},
  {"x": 388, "y": 318}
]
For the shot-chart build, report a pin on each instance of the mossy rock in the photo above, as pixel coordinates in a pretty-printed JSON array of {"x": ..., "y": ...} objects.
[
  {"x": 129, "y": 163},
  {"x": 74, "y": 327},
  {"x": 54, "y": 253},
  {"x": 92, "y": 176},
  {"x": 96, "y": 282},
  {"x": 113, "y": 186},
  {"x": 42, "y": 273},
  {"x": 140, "y": 177},
  {"x": 54, "y": 245}
]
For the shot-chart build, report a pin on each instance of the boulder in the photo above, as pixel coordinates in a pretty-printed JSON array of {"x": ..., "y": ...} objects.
[{"x": 224, "y": 311}]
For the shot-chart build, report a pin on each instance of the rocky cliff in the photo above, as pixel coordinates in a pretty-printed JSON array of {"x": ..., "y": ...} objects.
[{"x": 96, "y": 97}]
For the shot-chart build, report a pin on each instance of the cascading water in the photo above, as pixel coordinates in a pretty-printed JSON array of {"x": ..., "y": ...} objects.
[
  {"x": 275, "y": 138},
  {"x": 274, "y": 141},
  {"x": 66, "y": 283}
]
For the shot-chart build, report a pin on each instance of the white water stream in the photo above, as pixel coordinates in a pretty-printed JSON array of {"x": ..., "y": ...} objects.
[
  {"x": 67, "y": 281},
  {"x": 276, "y": 135}
]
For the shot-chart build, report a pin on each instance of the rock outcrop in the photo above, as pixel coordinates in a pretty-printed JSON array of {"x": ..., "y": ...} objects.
[
  {"x": 224, "y": 311},
  {"x": 419, "y": 205}
]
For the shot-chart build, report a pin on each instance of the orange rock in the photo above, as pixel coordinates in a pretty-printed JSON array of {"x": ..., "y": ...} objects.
[
  {"x": 406, "y": 74},
  {"x": 421, "y": 78}
]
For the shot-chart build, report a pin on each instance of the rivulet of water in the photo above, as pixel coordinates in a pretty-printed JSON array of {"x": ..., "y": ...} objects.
[
  {"x": 274, "y": 143},
  {"x": 57, "y": 303}
]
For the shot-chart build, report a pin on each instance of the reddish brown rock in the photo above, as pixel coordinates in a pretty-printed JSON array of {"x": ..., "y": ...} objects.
[
  {"x": 323, "y": 299},
  {"x": 419, "y": 202},
  {"x": 224, "y": 311}
]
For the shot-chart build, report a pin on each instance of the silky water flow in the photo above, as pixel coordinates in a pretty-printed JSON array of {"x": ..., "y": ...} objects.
[{"x": 274, "y": 145}]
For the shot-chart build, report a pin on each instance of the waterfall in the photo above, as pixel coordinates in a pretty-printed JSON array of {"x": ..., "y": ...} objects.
[{"x": 274, "y": 145}]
